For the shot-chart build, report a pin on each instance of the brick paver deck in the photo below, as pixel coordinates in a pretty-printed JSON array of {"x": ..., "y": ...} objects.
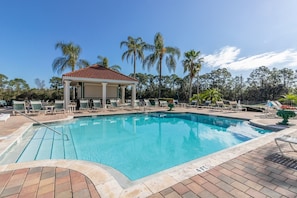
[
  {"x": 46, "y": 182},
  {"x": 249, "y": 175}
]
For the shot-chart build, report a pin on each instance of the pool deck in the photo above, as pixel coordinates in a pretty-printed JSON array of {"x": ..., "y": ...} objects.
[{"x": 252, "y": 169}]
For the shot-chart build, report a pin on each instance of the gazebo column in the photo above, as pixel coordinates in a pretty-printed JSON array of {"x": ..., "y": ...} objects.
[
  {"x": 133, "y": 94},
  {"x": 104, "y": 95},
  {"x": 66, "y": 93},
  {"x": 123, "y": 94}
]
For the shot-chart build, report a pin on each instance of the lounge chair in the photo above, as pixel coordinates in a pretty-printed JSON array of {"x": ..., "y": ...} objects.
[
  {"x": 270, "y": 110},
  {"x": 59, "y": 106},
  {"x": 221, "y": 106},
  {"x": 207, "y": 104},
  {"x": 175, "y": 102},
  {"x": 275, "y": 106},
  {"x": 278, "y": 103},
  {"x": 96, "y": 106},
  {"x": 236, "y": 107},
  {"x": 148, "y": 104},
  {"x": 137, "y": 105},
  {"x": 4, "y": 117},
  {"x": 163, "y": 103},
  {"x": 36, "y": 107},
  {"x": 19, "y": 106},
  {"x": 114, "y": 105},
  {"x": 286, "y": 139},
  {"x": 84, "y": 105},
  {"x": 192, "y": 104}
]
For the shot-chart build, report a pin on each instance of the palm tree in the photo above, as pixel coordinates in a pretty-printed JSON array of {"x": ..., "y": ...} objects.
[
  {"x": 135, "y": 50},
  {"x": 104, "y": 62},
  {"x": 159, "y": 52},
  {"x": 192, "y": 64},
  {"x": 69, "y": 59}
]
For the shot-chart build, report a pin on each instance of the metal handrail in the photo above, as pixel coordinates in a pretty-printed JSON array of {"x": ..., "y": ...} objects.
[{"x": 67, "y": 138}]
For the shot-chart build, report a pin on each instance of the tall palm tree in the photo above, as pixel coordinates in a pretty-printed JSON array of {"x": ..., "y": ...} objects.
[
  {"x": 159, "y": 52},
  {"x": 104, "y": 62},
  {"x": 69, "y": 59},
  {"x": 135, "y": 50},
  {"x": 192, "y": 64}
]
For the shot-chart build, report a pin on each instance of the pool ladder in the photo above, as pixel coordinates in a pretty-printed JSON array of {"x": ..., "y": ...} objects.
[{"x": 62, "y": 134}]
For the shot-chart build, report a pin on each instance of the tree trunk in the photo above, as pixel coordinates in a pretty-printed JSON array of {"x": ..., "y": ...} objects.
[{"x": 160, "y": 77}]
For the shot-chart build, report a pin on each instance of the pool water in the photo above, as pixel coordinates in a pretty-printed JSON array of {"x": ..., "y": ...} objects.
[{"x": 139, "y": 145}]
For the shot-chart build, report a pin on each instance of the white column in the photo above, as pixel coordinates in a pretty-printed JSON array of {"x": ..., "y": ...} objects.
[
  {"x": 133, "y": 94},
  {"x": 66, "y": 94},
  {"x": 123, "y": 94},
  {"x": 104, "y": 95}
]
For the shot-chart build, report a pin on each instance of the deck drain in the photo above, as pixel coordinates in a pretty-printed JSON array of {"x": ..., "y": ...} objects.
[{"x": 280, "y": 159}]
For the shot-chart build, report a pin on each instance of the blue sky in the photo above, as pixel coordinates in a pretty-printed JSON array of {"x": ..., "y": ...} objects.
[{"x": 236, "y": 34}]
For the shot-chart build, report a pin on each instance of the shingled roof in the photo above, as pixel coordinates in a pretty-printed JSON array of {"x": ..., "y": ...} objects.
[{"x": 98, "y": 72}]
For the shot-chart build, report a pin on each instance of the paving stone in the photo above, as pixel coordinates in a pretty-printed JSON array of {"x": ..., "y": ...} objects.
[
  {"x": 156, "y": 195},
  {"x": 195, "y": 188},
  {"x": 173, "y": 195},
  {"x": 166, "y": 191},
  {"x": 286, "y": 192},
  {"x": 180, "y": 188},
  {"x": 190, "y": 194},
  {"x": 240, "y": 186},
  {"x": 255, "y": 193},
  {"x": 270, "y": 193}
]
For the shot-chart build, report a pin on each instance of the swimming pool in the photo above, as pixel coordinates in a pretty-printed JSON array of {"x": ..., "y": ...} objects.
[{"x": 137, "y": 145}]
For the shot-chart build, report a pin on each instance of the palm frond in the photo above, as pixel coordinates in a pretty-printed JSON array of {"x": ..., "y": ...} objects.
[{"x": 60, "y": 64}]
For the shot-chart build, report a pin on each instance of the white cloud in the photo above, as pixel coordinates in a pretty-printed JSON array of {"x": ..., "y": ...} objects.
[{"x": 228, "y": 57}]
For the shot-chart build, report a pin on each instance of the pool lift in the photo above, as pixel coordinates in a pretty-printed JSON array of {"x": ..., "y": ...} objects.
[{"x": 62, "y": 134}]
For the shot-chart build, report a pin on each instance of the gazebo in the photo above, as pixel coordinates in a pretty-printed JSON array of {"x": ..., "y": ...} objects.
[{"x": 97, "y": 81}]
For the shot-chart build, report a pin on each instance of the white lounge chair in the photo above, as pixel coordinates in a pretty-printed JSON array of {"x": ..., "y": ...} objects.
[
  {"x": 275, "y": 106},
  {"x": 36, "y": 107},
  {"x": 163, "y": 103},
  {"x": 234, "y": 106},
  {"x": 286, "y": 139},
  {"x": 96, "y": 106},
  {"x": 137, "y": 105},
  {"x": 114, "y": 105},
  {"x": 84, "y": 105},
  {"x": 59, "y": 106},
  {"x": 278, "y": 103},
  {"x": 4, "y": 117},
  {"x": 192, "y": 104},
  {"x": 19, "y": 106},
  {"x": 148, "y": 104},
  {"x": 269, "y": 111},
  {"x": 221, "y": 106},
  {"x": 207, "y": 104}
]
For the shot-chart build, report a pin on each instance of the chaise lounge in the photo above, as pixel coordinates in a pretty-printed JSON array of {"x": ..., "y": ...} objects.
[
  {"x": 4, "y": 117},
  {"x": 286, "y": 139}
]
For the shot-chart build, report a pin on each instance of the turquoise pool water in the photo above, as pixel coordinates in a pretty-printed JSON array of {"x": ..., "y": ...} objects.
[{"x": 139, "y": 145}]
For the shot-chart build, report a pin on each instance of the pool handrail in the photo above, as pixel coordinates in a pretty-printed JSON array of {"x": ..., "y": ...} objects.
[{"x": 62, "y": 134}]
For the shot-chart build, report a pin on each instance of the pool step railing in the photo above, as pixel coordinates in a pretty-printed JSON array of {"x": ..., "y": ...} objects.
[{"x": 43, "y": 124}]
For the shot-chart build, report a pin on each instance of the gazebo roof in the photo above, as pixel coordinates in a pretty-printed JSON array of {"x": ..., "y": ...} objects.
[{"x": 98, "y": 73}]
